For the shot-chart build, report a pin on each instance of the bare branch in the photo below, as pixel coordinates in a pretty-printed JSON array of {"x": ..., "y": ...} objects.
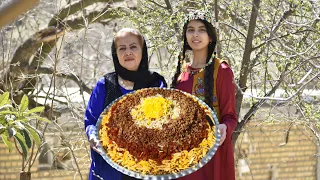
[
  {"x": 169, "y": 7},
  {"x": 298, "y": 54},
  {"x": 302, "y": 79},
  {"x": 20, "y": 61},
  {"x": 256, "y": 106},
  {"x": 234, "y": 17},
  {"x": 75, "y": 78},
  {"x": 42, "y": 43},
  {"x": 234, "y": 28},
  {"x": 95, "y": 16},
  {"x": 284, "y": 16},
  {"x": 73, "y": 25},
  {"x": 267, "y": 97},
  {"x": 176, "y": 26},
  {"x": 286, "y": 138},
  {"x": 73, "y": 8},
  {"x": 12, "y": 9},
  {"x": 159, "y": 5},
  {"x": 275, "y": 38},
  {"x": 54, "y": 99}
]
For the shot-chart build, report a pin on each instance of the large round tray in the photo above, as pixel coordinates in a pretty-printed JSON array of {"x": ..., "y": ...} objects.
[{"x": 182, "y": 173}]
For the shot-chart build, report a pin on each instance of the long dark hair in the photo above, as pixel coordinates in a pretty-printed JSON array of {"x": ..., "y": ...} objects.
[{"x": 208, "y": 76}]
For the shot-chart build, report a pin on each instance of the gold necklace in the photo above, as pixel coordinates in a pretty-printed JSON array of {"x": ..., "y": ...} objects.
[
  {"x": 193, "y": 72},
  {"x": 122, "y": 84}
]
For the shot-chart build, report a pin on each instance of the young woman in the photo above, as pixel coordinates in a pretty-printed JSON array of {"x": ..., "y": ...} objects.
[
  {"x": 211, "y": 80},
  {"x": 130, "y": 58}
]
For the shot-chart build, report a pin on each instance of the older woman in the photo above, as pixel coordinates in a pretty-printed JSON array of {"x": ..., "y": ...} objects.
[{"x": 130, "y": 58}]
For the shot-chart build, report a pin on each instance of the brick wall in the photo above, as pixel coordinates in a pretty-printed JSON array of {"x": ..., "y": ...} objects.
[
  {"x": 10, "y": 166},
  {"x": 262, "y": 152}
]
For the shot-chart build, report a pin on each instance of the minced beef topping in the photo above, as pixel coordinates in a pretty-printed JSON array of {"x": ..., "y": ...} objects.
[{"x": 183, "y": 133}]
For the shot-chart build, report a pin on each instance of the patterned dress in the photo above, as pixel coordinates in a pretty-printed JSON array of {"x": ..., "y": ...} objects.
[{"x": 221, "y": 166}]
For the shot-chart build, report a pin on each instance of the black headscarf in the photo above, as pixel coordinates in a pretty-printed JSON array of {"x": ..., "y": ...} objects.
[{"x": 142, "y": 78}]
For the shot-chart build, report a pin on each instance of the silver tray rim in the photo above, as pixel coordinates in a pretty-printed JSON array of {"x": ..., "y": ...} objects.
[{"x": 182, "y": 173}]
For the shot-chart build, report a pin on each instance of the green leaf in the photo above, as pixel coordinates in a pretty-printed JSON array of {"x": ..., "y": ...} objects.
[
  {"x": 6, "y": 141},
  {"x": 41, "y": 119},
  {"x": 22, "y": 144},
  {"x": 27, "y": 138},
  {"x": 22, "y": 119},
  {"x": 9, "y": 112},
  {"x": 19, "y": 125},
  {"x": 2, "y": 129},
  {"x": 35, "y": 110},
  {"x": 35, "y": 135},
  {"x": 6, "y": 106},
  {"x": 4, "y": 98},
  {"x": 24, "y": 103}
]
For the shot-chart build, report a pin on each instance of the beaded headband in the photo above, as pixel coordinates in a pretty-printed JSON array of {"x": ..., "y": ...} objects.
[{"x": 203, "y": 15}]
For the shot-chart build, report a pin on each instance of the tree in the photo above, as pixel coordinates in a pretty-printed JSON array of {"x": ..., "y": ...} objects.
[
  {"x": 24, "y": 69},
  {"x": 272, "y": 47},
  {"x": 15, "y": 126}
]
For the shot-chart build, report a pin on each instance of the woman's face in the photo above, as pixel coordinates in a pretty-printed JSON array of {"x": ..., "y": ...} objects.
[
  {"x": 129, "y": 51},
  {"x": 197, "y": 35}
]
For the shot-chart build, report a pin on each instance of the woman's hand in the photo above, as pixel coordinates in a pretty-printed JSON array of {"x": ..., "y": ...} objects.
[
  {"x": 222, "y": 129},
  {"x": 94, "y": 145}
]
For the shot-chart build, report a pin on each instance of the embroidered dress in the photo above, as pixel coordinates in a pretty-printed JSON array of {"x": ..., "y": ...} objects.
[{"x": 221, "y": 166}]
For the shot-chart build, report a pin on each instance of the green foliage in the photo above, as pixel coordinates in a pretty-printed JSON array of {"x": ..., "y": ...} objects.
[
  {"x": 27, "y": 138},
  {"x": 22, "y": 144},
  {"x": 312, "y": 112},
  {"x": 15, "y": 124},
  {"x": 24, "y": 103},
  {"x": 4, "y": 99},
  {"x": 162, "y": 26}
]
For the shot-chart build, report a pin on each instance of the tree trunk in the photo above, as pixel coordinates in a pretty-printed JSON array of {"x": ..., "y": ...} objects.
[
  {"x": 245, "y": 67},
  {"x": 25, "y": 175},
  {"x": 10, "y": 11}
]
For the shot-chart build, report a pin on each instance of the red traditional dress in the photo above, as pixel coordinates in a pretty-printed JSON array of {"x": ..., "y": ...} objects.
[{"x": 221, "y": 166}]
